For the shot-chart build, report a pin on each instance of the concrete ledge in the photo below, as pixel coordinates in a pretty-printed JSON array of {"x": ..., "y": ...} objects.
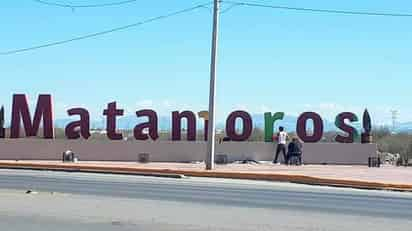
[
  {"x": 178, "y": 173},
  {"x": 182, "y": 151}
]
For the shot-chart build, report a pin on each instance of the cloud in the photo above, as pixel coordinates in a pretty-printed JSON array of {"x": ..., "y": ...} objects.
[
  {"x": 328, "y": 107},
  {"x": 167, "y": 104},
  {"x": 264, "y": 108},
  {"x": 330, "y": 110},
  {"x": 144, "y": 103},
  {"x": 241, "y": 107}
]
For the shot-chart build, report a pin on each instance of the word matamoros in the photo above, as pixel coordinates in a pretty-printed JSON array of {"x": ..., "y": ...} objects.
[{"x": 20, "y": 115}]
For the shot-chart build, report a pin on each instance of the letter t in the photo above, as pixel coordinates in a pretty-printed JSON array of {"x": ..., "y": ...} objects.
[{"x": 111, "y": 112}]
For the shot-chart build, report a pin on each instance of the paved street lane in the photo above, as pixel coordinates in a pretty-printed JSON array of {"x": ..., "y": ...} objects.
[{"x": 68, "y": 201}]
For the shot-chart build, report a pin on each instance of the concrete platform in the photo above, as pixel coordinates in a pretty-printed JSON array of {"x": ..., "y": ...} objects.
[{"x": 179, "y": 151}]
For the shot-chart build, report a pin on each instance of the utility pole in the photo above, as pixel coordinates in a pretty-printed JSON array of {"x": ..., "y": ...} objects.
[
  {"x": 210, "y": 158},
  {"x": 2, "y": 129},
  {"x": 395, "y": 114}
]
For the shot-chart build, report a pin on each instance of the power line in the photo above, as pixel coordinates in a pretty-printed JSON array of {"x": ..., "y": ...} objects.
[
  {"x": 232, "y": 5},
  {"x": 72, "y": 6},
  {"x": 395, "y": 114},
  {"x": 228, "y": 8},
  {"x": 315, "y": 10},
  {"x": 105, "y": 31}
]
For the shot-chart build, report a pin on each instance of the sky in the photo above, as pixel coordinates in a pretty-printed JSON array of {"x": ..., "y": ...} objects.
[{"x": 268, "y": 59}]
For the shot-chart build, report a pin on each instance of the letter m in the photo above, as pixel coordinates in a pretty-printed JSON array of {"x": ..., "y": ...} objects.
[{"x": 20, "y": 112}]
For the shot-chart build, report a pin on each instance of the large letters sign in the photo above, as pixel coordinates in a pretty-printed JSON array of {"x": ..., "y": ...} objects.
[{"x": 43, "y": 113}]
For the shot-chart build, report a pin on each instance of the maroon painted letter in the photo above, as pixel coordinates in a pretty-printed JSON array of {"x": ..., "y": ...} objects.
[
  {"x": 78, "y": 128},
  {"x": 20, "y": 111},
  {"x": 177, "y": 125},
  {"x": 351, "y": 131},
  {"x": 151, "y": 125},
  {"x": 231, "y": 126},
  {"x": 205, "y": 116},
  {"x": 112, "y": 112},
  {"x": 317, "y": 127}
]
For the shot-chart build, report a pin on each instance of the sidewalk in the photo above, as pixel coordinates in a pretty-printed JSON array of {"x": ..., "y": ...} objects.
[{"x": 384, "y": 178}]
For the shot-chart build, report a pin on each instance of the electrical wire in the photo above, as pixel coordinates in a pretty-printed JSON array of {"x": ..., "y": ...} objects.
[
  {"x": 315, "y": 10},
  {"x": 72, "y": 6},
  {"x": 104, "y": 32},
  {"x": 232, "y": 5}
]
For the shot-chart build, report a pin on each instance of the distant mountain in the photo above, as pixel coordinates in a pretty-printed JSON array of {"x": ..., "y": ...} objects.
[
  {"x": 404, "y": 127},
  {"x": 288, "y": 122},
  {"x": 129, "y": 122},
  {"x": 125, "y": 122}
]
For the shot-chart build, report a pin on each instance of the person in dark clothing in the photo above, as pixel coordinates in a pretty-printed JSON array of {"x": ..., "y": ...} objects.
[
  {"x": 294, "y": 150},
  {"x": 281, "y": 139}
]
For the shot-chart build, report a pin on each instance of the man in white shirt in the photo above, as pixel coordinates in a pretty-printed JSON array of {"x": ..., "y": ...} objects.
[{"x": 281, "y": 139}]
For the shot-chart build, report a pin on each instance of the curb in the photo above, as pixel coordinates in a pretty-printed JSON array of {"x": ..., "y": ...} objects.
[
  {"x": 90, "y": 170},
  {"x": 174, "y": 173}
]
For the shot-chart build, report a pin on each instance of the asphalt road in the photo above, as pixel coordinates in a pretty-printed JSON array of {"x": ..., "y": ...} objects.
[{"x": 78, "y": 201}]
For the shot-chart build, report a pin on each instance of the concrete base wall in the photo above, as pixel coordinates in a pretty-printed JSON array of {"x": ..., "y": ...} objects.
[{"x": 316, "y": 153}]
